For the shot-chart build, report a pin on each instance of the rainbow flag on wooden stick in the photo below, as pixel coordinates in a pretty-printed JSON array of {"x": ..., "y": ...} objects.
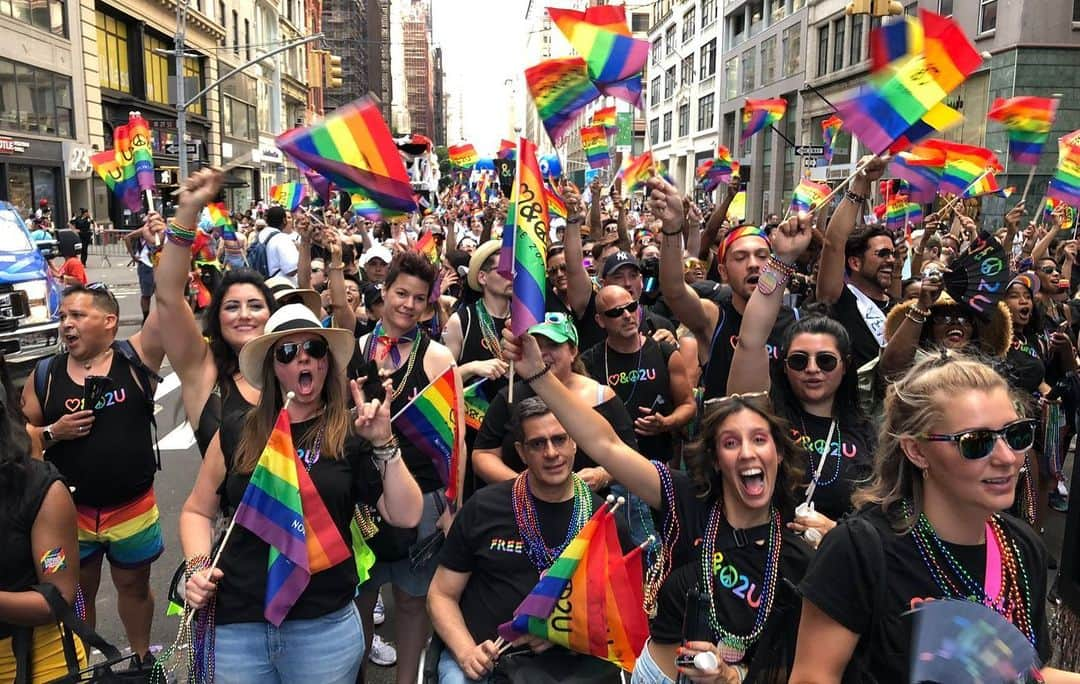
[
  {"x": 431, "y": 423},
  {"x": 560, "y": 89},
  {"x": 808, "y": 196},
  {"x": 282, "y": 507},
  {"x": 757, "y": 114},
  {"x": 119, "y": 177},
  {"x": 1028, "y": 121},
  {"x": 142, "y": 152},
  {"x": 594, "y": 142},
  {"x": 830, "y": 128},
  {"x": 527, "y": 242},
  {"x": 635, "y": 171},
  {"x": 614, "y": 59}
]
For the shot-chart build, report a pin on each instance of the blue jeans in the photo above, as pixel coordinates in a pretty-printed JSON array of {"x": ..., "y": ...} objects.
[
  {"x": 450, "y": 672},
  {"x": 646, "y": 671},
  {"x": 328, "y": 650}
]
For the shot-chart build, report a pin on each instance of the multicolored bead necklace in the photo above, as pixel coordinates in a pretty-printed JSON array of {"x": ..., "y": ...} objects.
[
  {"x": 369, "y": 355},
  {"x": 733, "y": 647},
  {"x": 824, "y": 454},
  {"x": 1012, "y": 601},
  {"x": 487, "y": 330},
  {"x": 541, "y": 555},
  {"x": 660, "y": 568}
]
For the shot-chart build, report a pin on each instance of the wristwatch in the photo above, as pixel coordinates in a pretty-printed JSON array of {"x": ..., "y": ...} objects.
[{"x": 47, "y": 434}]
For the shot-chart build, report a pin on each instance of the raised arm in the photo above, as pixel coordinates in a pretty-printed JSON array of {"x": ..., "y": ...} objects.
[
  {"x": 830, "y": 282},
  {"x": 344, "y": 315},
  {"x": 619, "y": 205},
  {"x": 750, "y": 365},
  {"x": 596, "y": 231},
  {"x": 1041, "y": 247},
  {"x": 1012, "y": 225},
  {"x": 693, "y": 227},
  {"x": 303, "y": 264},
  {"x": 899, "y": 352},
  {"x": 579, "y": 286},
  {"x": 716, "y": 220}
]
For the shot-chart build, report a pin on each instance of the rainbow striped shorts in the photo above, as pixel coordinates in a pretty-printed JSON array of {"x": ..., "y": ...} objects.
[{"x": 129, "y": 534}]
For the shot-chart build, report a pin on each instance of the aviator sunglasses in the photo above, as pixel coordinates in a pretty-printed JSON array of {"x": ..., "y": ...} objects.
[
  {"x": 978, "y": 443},
  {"x": 315, "y": 348}
]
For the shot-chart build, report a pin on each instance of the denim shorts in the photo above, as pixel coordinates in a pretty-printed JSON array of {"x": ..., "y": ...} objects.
[
  {"x": 328, "y": 650},
  {"x": 450, "y": 672},
  {"x": 146, "y": 279},
  {"x": 400, "y": 573},
  {"x": 646, "y": 671}
]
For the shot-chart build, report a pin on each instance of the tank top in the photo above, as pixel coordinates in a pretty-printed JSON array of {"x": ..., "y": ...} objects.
[
  {"x": 411, "y": 381},
  {"x": 474, "y": 346},
  {"x": 225, "y": 404},
  {"x": 114, "y": 462}
]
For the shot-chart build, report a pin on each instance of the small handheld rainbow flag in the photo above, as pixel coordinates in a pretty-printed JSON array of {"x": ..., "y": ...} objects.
[
  {"x": 282, "y": 507},
  {"x": 984, "y": 186},
  {"x": 365, "y": 208},
  {"x": 219, "y": 217},
  {"x": 507, "y": 150},
  {"x": 289, "y": 195},
  {"x": 808, "y": 196},
  {"x": 426, "y": 246},
  {"x": 604, "y": 117},
  {"x": 463, "y": 156},
  {"x": 527, "y": 243},
  {"x": 635, "y": 171},
  {"x": 594, "y": 142},
  {"x": 963, "y": 164},
  {"x": 555, "y": 204},
  {"x": 119, "y": 177},
  {"x": 477, "y": 402},
  {"x": 1065, "y": 184},
  {"x": 829, "y": 129},
  {"x": 1028, "y": 121},
  {"x": 431, "y": 423},
  {"x": 900, "y": 213},
  {"x": 141, "y": 151},
  {"x": 560, "y": 89},
  {"x": 757, "y": 114}
]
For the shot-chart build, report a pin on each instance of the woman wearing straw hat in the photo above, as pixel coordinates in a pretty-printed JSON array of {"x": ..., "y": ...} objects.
[{"x": 349, "y": 461}]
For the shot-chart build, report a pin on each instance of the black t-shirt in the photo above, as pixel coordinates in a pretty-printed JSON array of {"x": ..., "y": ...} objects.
[
  {"x": 589, "y": 333},
  {"x": 496, "y": 430},
  {"x": 485, "y": 541},
  {"x": 864, "y": 346},
  {"x": 726, "y": 337},
  {"x": 18, "y": 566},
  {"x": 342, "y": 483},
  {"x": 878, "y": 591},
  {"x": 1025, "y": 362},
  {"x": 82, "y": 224},
  {"x": 850, "y": 459},
  {"x": 640, "y": 380}
]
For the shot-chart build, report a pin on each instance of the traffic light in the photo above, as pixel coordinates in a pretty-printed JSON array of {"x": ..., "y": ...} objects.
[
  {"x": 876, "y": 8},
  {"x": 332, "y": 64},
  {"x": 315, "y": 68}
]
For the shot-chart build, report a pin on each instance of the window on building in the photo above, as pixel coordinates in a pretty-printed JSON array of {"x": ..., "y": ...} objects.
[
  {"x": 945, "y": 7},
  {"x": 708, "y": 12},
  {"x": 112, "y": 43},
  {"x": 792, "y": 43},
  {"x": 731, "y": 78},
  {"x": 855, "y": 53},
  {"x": 737, "y": 28},
  {"x": 748, "y": 70},
  {"x": 655, "y": 50},
  {"x": 823, "y": 50},
  {"x": 731, "y": 132},
  {"x": 1076, "y": 10},
  {"x": 973, "y": 95},
  {"x": 708, "y": 60},
  {"x": 239, "y": 99},
  {"x": 34, "y": 100},
  {"x": 639, "y": 22},
  {"x": 193, "y": 81},
  {"x": 654, "y": 90},
  {"x": 684, "y": 120},
  {"x": 797, "y": 5},
  {"x": 768, "y": 60},
  {"x": 689, "y": 23},
  {"x": 757, "y": 17},
  {"x": 47, "y": 15},
  {"x": 669, "y": 39},
  {"x": 289, "y": 12},
  {"x": 688, "y": 69},
  {"x": 667, "y": 127},
  {"x": 987, "y": 15},
  {"x": 221, "y": 12},
  {"x": 669, "y": 82},
  {"x": 156, "y": 69},
  {"x": 235, "y": 33},
  {"x": 777, "y": 10},
  {"x": 705, "y": 114},
  {"x": 247, "y": 38},
  {"x": 654, "y": 131},
  {"x": 838, "y": 45}
]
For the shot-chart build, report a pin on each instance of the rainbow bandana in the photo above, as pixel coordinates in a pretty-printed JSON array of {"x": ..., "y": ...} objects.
[{"x": 738, "y": 234}]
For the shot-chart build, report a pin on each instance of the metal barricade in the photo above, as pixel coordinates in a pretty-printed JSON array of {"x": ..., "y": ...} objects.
[{"x": 109, "y": 242}]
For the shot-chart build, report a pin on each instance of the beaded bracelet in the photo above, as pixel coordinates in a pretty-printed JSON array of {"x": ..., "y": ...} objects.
[
  {"x": 196, "y": 564},
  {"x": 546, "y": 369},
  {"x": 773, "y": 275},
  {"x": 914, "y": 318},
  {"x": 179, "y": 235},
  {"x": 924, "y": 313}
]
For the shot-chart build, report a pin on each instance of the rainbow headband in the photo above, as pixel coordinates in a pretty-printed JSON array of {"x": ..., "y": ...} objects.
[{"x": 738, "y": 234}]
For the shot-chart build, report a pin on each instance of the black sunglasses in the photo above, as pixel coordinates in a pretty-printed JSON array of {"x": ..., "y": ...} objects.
[
  {"x": 315, "y": 348},
  {"x": 1049, "y": 269},
  {"x": 799, "y": 361},
  {"x": 951, "y": 319},
  {"x": 979, "y": 443},
  {"x": 885, "y": 253},
  {"x": 629, "y": 307}
]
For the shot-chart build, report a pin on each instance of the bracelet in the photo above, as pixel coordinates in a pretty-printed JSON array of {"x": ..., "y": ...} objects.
[
  {"x": 390, "y": 445},
  {"x": 914, "y": 318},
  {"x": 546, "y": 369},
  {"x": 773, "y": 276},
  {"x": 196, "y": 563},
  {"x": 339, "y": 267},
  {"x": 924, "y": 313},
  {"x": 854, "y": 197},
  {"x": 179, "y": 235},
  {"x": 673, "y": 232}
]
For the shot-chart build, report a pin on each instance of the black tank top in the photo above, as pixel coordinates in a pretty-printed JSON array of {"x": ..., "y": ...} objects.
[
  {"x": 114, "y": 462},
  {"x": 473, "y": 345},
  {"x": 225, "y": 402},
  {"x": 410, "y": 382}
]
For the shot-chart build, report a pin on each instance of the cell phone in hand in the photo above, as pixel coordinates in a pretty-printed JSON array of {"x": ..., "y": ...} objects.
[{"x": 94, "y": 389}]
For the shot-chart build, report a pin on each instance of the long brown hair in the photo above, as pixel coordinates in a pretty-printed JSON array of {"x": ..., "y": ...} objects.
[
  {"x": 913, "y": 405},
  {"x": 335, "y": 420},
  {"x": 701, "y": 453}
]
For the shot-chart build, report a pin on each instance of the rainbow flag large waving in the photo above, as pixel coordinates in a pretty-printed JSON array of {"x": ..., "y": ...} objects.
[
  {"x": 560, "y": 89},
  {"x": 431, "y": 423},
  {"x": 1028, "y": 121},
  {"x": 1065, "y": 185},
  {"x": 757, "y": 114},
  {"x": 462, "y": 156},
  {"x": 353, "y": 149},
  {"x": 614, "y": 58},
  {"x": 594, "y": 142},
  {"x": 531, "y": 221},
  {"x": 282, "y": 507}
]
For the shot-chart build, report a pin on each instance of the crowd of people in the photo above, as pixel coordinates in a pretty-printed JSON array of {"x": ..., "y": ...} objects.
[{"x": 809, "y": 444}]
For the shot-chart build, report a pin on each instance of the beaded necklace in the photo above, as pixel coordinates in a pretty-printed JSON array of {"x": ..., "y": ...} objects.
[
  {"x": 541, "y": 555},
  {"x": 487, "y": 329},
  {"x": 1012, "y": 600},
  {"x": 733, "y": 647},
  {"x": 369, "y": 355},
  {"x": 824, "y": 453},
  {"x": 311, "y": 457},
  {"x": 660, "y": 568}
]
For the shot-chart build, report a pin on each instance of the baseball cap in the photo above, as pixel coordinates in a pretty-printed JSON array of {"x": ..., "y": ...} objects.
[
  {"x": 557, "y": 327},
  {"x": 617, "y": 261},
  {"x": 373, "y": 294}
]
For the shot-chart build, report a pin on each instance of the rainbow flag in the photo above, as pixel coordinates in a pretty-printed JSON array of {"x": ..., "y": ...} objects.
[
  {"x": 320, "y": 185},
  {"x": 757, "y": 114},
  {"x": 527, "y": 242},
  {"x": 604, "y": 117},
  {"x": 1028, "y": 121},
  {"x": 1065, "y": 184},
  {"x": 556, "y": 206},
  {"x": 808, "y": 195},
  {"x": 984, "y": 186},
  {"x": 142, "y": 152},
  {"x": 635, "y": 171},
  {"x": 963, "y": 164},
  {"x": 365, "y": 208},
  {"x": 282, "y": 507},
  {"x": 737, "y": 209},
  {"x": 119, "y": 177},
  {"x": 426, "y": 246},
  {"x": 702, "y": 170},
  {"x": 462, "y": 156},
  {"x": 614, "y": 59},
  {"x": 288, "y": 195},
  {"x": 477, "y": 402},
  {"x": 219, "y": 217},
  {"x": 560, "y": 89},
  {"x": 921, "y": 169},
  {"x": 1053, "y": 203},
  {"x": 900, "y": 213},
  {"x": 431, "y": 423},
  {"x": 830, "y": 128},
  {"x": 594, "y": 142},
  {"x": 507, "y": 150},
  {"x": 352, "y": 148}
]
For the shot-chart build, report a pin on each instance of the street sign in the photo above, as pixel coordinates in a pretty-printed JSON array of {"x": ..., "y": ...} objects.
[
  {"x": 809, "y": 150},
  {"x": 173, "y": 148},
  {"x": 809, "y": 162}
]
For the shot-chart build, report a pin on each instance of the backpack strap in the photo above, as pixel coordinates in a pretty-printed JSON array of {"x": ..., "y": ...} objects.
[
  {"x": 274, "y": 232},
  {"x": 145, "y": 377},
  {"x": 42, "y": 380}
]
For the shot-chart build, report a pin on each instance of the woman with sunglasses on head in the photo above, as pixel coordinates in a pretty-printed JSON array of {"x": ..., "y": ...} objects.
[
  {"x": 349, "y": 460},
  {"x": 928, "y": 527},
  {"x": 816, "y": 390},
  {"x": 206, "y": 361},
  {"x": 723, "y": 535}
]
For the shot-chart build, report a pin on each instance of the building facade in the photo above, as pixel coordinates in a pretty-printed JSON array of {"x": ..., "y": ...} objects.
[{"x": 419, "y": 67}]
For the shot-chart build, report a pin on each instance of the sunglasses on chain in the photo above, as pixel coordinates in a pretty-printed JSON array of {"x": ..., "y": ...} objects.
[
  {"x": 616, "y": 312},
  {"x": 979, "y": 443},
  {"x": 800, "y": 361},
  {"x": 743, "y": 398},
  {"x": 315, "y": 348}
]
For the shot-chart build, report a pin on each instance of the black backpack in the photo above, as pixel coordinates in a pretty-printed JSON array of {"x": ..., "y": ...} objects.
[{"x": 144, "y": 376}]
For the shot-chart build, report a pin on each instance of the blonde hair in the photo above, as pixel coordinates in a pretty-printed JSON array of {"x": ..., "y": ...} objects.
[{"x": 913, "y": 405}]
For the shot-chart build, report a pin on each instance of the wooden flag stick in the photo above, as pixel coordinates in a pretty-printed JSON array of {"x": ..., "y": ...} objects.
[
  {"x": 858, "y": 169},
  {"x": 960, "y": 196},
  {"x": 1027, "y": 186}
]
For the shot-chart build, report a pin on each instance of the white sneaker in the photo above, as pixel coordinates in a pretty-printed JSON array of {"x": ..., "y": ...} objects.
[
  {"x": 379, "y": 614},
  {"x": 381, "y": 652}
]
